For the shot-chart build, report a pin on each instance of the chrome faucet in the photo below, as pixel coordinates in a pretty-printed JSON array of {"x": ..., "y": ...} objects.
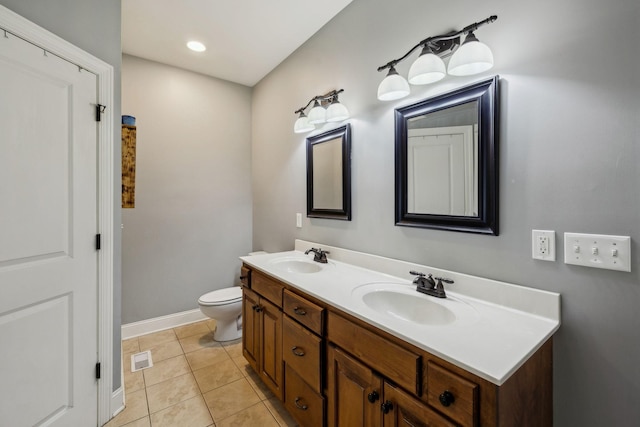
[
  {"x": 427, "y": 285},
  {"x": 319, "y": 255}
]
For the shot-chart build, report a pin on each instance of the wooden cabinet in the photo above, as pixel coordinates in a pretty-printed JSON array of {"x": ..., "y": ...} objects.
[
  {"x": 262, "y": 339},
  {"x": 303, "y": 353},
  {"x": 330, "y": 368},
  {"x": 302, "y": 402},
  {"x": 354, "y": 391},
  {"x": 399, "y": 408},
  {"x": 251, "y": 328}
]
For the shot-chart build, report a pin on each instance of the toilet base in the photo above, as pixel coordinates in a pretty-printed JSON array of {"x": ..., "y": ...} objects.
[{"x": 228, "y": 330}]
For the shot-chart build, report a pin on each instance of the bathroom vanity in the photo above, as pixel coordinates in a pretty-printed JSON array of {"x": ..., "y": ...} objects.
[{"x": 351, "y": 343}]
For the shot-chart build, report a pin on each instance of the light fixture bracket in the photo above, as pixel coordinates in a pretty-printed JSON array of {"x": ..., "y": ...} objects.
[
  {"x": 323, "y": 100},
  {"x": 442, "y": 45},
  {"x": 444, "y": 48}
]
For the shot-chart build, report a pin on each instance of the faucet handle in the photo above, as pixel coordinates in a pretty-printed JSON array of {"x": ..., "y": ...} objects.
[
  {"x": 416, "y": 273},
  {"x": 444, "y": 279}
]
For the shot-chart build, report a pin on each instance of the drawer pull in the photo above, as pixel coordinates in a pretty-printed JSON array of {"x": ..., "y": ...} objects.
[
  {"x": 299, "y": 311},
  {"x": 298, "y": 353},
  {"x": 386, "y": 407},
  {"x": 446, "y": 398},
  {"x": 373, "y": 396},
  {"x": 299, "y": 406}
]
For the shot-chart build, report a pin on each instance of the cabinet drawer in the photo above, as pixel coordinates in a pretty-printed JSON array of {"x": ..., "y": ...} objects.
[
  {"x": 304, "y": 311},
  {"x": 377, "y": 352},
  {"x": 267, "y": 287},
  {"x": 245, "y": 276},
  {"x": 462, "y": 406},
  {"x": 302, "y": 350},
  {"x": 305, "y": 405}
]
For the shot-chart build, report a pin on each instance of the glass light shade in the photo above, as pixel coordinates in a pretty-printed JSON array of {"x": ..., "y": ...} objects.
[
  {"x": 302, "y": 125},
  {"x": 394, "y": 86},
  {"x": 472, "y": 57},
  {"x": 337, "y": 112},
  {"x": 317, "y": 114},
  {"x": 428, "y": 68}
]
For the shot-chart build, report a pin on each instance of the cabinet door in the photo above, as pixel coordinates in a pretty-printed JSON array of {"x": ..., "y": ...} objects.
[
  {"x": 401, "y": 409},
  {"x": 271, "y": 346},
  {"x": 353, "y": 393},
  {"x": 250, "y": 328}
]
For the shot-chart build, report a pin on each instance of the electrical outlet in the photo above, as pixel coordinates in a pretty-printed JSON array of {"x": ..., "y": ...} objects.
[{"x": 543, "y": 245}]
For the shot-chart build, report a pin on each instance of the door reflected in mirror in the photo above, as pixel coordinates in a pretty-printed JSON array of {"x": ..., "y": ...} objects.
[
  {"x": 446, "y": 161},
  {"x": 442, "y": 162},
  {"x": 329, "y": 174}
]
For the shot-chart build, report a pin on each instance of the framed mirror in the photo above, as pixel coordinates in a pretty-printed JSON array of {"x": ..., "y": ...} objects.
[
  {"x": 446, "y": 154},
  {"x": 329, "y": 174}
]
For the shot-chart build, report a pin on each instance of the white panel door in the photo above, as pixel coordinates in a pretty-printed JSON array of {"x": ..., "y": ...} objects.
[
  {"x": 442, "y": 170},
  {"x": 48, "y": 222}
]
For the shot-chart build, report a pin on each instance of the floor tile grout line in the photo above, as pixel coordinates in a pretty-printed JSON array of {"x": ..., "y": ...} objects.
[{"x": 241, "y": 368}]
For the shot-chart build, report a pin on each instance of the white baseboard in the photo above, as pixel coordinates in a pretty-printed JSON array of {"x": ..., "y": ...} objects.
[
  {"x": 117, "y": 401},
  {"x": 132, "y": 330}
]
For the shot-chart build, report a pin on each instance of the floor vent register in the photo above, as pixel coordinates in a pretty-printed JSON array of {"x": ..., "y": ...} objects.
[{"x": 140, "y": 361}]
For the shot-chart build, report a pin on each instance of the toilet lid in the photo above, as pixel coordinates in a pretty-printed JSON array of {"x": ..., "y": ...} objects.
[{"x": 222, "y": 296}]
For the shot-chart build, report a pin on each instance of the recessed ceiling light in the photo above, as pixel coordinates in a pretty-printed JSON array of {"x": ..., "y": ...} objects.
[{"x": 196, "y": 46}]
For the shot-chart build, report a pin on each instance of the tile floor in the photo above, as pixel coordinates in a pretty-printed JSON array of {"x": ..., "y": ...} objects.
[{"x": 195, "y": 382}]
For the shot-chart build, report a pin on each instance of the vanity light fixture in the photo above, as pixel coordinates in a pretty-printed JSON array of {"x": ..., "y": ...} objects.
[
  {"x": 472, "y": 57},
  {"x": 326, "y": 108}
]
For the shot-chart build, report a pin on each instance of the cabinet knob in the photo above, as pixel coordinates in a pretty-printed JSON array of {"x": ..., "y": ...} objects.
[
  {"x": 446, "y": 398},
  {"x": 299, "y": 406},
  {"x": 373, "y": 396},
  {"x": 386, "y": 407},
  {"x": 257, "y": 308},
  {"x": 299, "y": 311},
  {"x": 244, "y": 277},
  {"x": 297, "y": 352}
]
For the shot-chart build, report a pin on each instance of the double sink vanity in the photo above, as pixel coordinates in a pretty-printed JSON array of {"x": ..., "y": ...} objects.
[{"x": 350, "y": 342}]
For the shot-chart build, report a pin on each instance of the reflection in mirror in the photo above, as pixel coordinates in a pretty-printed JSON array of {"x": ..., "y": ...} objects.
[
  {"x": 329, "y": 174},
  {"x": 446, "y": 157},
  {"x": 442, "y": 162},
  {"x": 327, "y": 177}
]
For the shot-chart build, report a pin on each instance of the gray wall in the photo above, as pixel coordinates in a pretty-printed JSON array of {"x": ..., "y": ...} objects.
[
  {"x": 192, "y": 215},
  {"x": 569, "y": 153},
  {"x": 92, "y": 25}
]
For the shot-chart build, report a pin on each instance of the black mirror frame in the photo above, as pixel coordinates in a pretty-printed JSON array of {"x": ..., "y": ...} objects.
[
  {"x": 343, "y": 132},
  {"x": 486, "y": 94}
]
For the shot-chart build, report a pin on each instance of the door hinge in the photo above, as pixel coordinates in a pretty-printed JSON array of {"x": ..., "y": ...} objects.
[
  {"x": 98, "y": 370},
  {"x": 98, "y": 241},
  {"x": 99, "y": 110}
]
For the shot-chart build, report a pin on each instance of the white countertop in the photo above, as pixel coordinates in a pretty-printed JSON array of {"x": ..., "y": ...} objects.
[{"x": 504, "y": 327}]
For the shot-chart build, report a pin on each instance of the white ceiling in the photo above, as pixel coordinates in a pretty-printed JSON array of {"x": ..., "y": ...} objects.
[{"x": 245, "y": 39}]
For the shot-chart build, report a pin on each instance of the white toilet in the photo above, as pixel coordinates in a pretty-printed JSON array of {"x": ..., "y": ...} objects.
[{"x": 225, "y": 306}]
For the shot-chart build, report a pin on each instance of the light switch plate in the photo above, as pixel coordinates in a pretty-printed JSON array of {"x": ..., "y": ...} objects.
[
  {"x": 598, "y": 251},
  {"x": 543, "y": 245},
  {"x": 299, "y": 220}
]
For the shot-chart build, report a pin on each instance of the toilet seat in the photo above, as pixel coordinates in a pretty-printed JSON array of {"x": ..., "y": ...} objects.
[{"x": 222, "y": 296}]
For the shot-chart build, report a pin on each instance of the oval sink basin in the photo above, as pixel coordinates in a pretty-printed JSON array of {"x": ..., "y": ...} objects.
[
  {"x": 408, "y": 308},
  {"x": 403, "y": 302},
  {"x": 297, "y": 265}
]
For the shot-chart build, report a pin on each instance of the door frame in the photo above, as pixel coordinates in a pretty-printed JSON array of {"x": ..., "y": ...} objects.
[{"x": 108, "y": 400}]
